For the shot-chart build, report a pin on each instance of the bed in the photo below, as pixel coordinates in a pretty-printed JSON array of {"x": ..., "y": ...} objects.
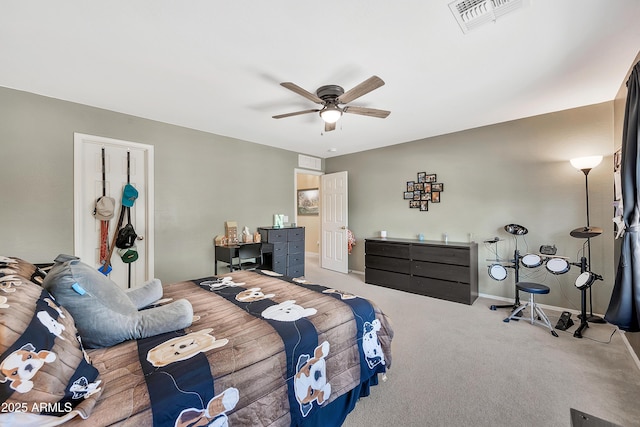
[{"x": 263, "y": 350}]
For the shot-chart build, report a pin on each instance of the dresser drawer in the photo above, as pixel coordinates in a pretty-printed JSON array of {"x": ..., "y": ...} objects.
[
  {"x": 273, "y": 235},
  {"x": 295, "y": 270},
  {"x": 451, "y": 291},
  {"x": 388, "y": 264},
  {"x": 387, "y": 279},
  {"x": 454, "y": 273},
  {"x": 279, "y": 264},
  {"x": 443, "y": 254},
  {"x": 294, "y": 259},
  {"x": 395, "y": 250},
  {"x": 296, "y": 247},
  {"x": 279, "y": 249},
  {"x": 295, "y": 234}
]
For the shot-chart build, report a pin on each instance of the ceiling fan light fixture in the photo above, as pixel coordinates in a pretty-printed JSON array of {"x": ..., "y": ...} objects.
[
  {"x": 331, "y": 113},
  {"x": 332, "y": 96}
]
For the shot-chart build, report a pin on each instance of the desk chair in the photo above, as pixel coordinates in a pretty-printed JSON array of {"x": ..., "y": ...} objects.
[
  {"x": 531, "y": 289},
  {"x": 250, "y": 256}
]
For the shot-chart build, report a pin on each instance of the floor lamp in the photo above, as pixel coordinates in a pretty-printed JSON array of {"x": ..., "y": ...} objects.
[{"x": 585, "y": 164}]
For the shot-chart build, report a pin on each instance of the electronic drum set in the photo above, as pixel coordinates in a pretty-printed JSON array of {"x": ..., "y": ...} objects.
[{"x": 553, "y": 263}]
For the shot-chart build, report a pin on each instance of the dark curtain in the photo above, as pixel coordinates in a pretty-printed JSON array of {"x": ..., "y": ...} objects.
[{"x": 624, "y": 307}]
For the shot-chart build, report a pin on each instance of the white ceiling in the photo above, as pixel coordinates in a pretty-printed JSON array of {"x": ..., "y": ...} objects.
[{"x": 216, "y": 66}]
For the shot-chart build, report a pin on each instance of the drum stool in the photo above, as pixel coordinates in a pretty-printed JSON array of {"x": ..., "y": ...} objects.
[{"x": 532, "y": 288}]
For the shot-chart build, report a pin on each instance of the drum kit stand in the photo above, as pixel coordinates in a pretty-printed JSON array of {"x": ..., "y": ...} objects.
[
  {"x": 586, "y": 278},
  {"x": 554, "y": 264}
]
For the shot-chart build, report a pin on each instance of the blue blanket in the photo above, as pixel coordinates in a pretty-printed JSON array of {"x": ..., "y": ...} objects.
[{"x": 181, "y": 387}]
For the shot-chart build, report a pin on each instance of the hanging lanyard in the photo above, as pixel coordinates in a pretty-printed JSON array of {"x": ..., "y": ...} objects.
[{"x": 104, "y": 176}]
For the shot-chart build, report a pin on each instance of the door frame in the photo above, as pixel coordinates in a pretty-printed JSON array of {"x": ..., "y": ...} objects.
[
  {"x": 79, "y": 139},
  {"x": 296, "y": 172}
]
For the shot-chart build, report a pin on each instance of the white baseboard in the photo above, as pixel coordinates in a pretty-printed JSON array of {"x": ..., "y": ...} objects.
[{"x": 634, "y": 356}]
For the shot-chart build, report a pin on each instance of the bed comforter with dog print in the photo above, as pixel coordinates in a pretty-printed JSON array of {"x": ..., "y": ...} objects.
[{"x": 262, "y": 351}]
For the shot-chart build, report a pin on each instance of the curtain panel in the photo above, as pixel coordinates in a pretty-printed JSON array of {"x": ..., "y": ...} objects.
[{"x": 624, "y": 306}]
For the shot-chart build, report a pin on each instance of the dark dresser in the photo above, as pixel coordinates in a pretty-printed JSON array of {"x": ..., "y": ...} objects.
[
  {"x": 436, "y": 269},
  {"x": 288, "y": 249}
]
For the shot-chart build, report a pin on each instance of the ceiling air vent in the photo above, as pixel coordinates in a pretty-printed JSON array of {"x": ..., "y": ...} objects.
[{"x": 471, "y": 14}]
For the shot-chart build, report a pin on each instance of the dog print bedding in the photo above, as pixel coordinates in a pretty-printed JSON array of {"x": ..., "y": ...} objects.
[
  {"x": 45, "y": 373},
  {"x": 263, "y": 350}
]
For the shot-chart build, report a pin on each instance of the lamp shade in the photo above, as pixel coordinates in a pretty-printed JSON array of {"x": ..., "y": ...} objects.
[
  {"x": 582, "y": 163},
  {"x": 331, "y": 114}
]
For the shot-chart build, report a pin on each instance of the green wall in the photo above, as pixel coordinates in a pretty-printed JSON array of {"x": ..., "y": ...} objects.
[
  {"x": 201, "y": 181},
  {"x": 513, "y": 172}
]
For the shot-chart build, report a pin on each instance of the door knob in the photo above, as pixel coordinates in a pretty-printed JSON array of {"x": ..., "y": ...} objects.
[{"x": 343, "y": 227}]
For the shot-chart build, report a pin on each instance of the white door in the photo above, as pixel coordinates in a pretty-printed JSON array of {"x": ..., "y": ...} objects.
[
  {"x": 122, "y": 159},
  {"x": 334, "y": 210}
]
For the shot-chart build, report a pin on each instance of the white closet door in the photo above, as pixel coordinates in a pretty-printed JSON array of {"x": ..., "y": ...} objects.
[{"x": 88, "y": 187}]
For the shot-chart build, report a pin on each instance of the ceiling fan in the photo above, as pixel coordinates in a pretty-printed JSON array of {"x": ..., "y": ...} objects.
[{"x": 332, "y": 96}]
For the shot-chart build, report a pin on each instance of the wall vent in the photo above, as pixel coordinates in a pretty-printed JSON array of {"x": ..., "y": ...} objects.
[
  {"x": 309, "y": 162},
  {"x": 471, "y": 14}
]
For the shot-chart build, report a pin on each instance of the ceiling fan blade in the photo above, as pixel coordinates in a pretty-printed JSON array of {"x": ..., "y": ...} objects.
[
  {"x": 297, "y": 89},
  {"x": 297, "y": 113},
  {"x": 362, "y": 89},
  {"x": 363, "y": 111},
  {"x": 328, "y": 127}
]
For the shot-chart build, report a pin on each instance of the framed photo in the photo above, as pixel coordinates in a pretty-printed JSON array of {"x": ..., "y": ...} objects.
[
  {"x": 423, "y": 190},
  {"x": 308, "y": 201}
]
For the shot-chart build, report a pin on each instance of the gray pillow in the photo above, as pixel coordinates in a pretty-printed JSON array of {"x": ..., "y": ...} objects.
[{"x": 106, "y": 315}]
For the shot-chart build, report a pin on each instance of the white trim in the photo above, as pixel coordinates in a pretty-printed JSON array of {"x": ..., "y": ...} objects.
[
  {"x": 634, "y": 356},
  {"x": 78, "y": 140},
  {"x": 77, "y": 175}
]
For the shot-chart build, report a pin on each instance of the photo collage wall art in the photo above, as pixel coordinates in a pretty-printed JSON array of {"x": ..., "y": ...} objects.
[{"x": 423, "y": 190}]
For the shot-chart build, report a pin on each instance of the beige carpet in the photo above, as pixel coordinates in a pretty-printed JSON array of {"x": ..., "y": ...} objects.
[{"x": 460, "y": 365}]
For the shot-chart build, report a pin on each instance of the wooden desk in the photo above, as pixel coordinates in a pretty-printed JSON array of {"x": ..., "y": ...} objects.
[{"x": 228, "y": 253}]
